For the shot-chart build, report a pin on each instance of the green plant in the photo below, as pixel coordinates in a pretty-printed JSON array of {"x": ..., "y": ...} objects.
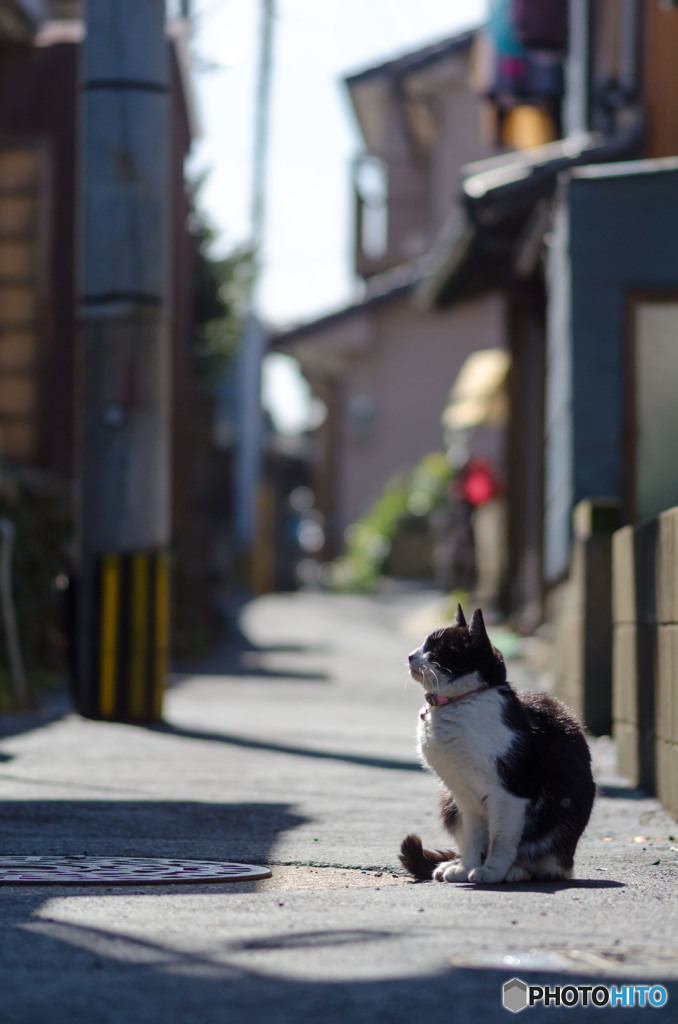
[
  {"x": 220, "y": 289},
  {"x": 411, "y": 495}
]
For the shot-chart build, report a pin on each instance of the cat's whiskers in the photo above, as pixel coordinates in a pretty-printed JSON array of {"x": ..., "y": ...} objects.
[{"x": 428, "y": 672}]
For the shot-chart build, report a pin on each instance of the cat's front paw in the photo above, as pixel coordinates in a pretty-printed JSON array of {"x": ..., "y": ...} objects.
[
  {"x": 450, "y": 871},
  {"x": 485, "y": 875}
]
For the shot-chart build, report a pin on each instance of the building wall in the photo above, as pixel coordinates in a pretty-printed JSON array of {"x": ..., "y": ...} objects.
[
  {"x": 406, "y": 201},
  {"x": 432, "y": 127},
  {"x": 38, "y": 93},
  {"x": 660, "y": 77},
  {"x": 38, "y": 105},
  {"x": 616, "y": 235},
  {"x": 407, "y": 372},
  {"x": 460, "y": 140},
  {"x": 653, "y": 367}
]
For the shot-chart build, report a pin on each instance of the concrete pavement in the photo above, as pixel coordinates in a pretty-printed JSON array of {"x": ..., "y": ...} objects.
[{"x": 294, "y": 747}]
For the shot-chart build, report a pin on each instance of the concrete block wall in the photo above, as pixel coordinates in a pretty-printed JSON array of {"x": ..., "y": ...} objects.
[
  {"x": 666, "y": 706},
  {"x": 645, "y": 654},
  {"x": 634, "y": 650},
  {"x": 568, "y": 608},
  {"x": 583, "y": 641}
]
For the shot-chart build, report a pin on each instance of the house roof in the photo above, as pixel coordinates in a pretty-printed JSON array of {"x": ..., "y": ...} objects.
[
  {"x": 412, "y": 62},
  {"x": 628, "y": 168},
  {"x": 371, "y": 90},
  {"x": 503, "y": 202},
  {"x": 381, "y": 288},
  {"x": 525, "y": 174}
]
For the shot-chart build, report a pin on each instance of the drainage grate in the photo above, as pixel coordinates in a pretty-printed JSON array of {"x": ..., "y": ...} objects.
[{"x": 122, "y": 871}]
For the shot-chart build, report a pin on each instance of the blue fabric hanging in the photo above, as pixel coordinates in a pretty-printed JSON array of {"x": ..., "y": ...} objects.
[{"x": 502, "y": 31}]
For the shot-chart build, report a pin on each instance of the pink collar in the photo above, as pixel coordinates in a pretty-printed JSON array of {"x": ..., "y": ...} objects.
[{"x": 435, "y": 700}]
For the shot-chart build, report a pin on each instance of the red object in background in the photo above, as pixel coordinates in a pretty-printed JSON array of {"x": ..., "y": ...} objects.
[{"x": 480, "y": 485}]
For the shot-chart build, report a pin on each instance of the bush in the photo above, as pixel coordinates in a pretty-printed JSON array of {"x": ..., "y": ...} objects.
[
  {"x": 407, "y": 498},
  {"x": 40, "y": 507}
]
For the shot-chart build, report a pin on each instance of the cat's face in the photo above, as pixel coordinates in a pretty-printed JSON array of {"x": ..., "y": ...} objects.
[
  {"x": 444, "y": 656},
  {"x": 455, "y": 652}
]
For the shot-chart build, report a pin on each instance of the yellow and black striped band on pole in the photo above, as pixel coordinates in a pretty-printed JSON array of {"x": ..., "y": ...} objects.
[{"x": 131, "y": 648}]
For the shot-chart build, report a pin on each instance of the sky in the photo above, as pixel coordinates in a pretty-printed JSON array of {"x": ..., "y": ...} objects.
[{"x": 313, "y": 138}]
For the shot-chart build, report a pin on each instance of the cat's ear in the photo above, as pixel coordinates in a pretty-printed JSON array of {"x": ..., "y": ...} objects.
[
  {"x": 476, "y": 628},
  {"x": 459, "y": 619}
]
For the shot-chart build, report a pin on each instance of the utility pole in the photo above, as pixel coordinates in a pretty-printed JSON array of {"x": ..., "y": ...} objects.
[
  {"x": 249, "y": 451},
  {"x": 122, "y": 592},
  {"x": 261, "y": 127}
]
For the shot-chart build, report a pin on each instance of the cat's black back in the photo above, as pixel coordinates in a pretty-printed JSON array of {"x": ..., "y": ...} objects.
[{"x": 549, "y": 763}]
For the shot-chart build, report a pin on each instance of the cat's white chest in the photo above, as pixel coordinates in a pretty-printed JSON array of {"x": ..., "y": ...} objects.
[{"x": 461, "y": 742}]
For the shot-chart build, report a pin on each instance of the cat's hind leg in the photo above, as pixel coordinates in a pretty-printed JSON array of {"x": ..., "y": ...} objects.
[
  {"x": 450, "y": 871},
  {"x": 473, "y": 841},
  {"x": 548, "y": 869},
  {"x": 551, "y": 869},
  {"x": 450, "y": 814}
]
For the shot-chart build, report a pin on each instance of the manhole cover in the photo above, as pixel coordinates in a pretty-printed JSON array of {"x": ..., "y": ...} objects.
[{"x": 122, "y": 871}]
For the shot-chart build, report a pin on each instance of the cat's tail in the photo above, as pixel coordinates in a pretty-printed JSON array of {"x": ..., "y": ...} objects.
[{"x": 419, "y": 862}]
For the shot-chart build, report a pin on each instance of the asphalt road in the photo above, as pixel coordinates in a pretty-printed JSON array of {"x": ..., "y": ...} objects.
[{"x": 294, "y": 747}]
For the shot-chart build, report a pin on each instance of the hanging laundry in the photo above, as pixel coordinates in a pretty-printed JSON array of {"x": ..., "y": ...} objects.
[
  {"x": 501, "y": 30},
  {"x": 540, "y": 24}
]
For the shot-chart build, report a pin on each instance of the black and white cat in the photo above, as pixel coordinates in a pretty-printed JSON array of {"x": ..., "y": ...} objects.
[{"x": 515, "y": 767}]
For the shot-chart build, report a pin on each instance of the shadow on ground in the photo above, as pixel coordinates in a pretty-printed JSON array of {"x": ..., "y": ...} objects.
[
  {"x": 143, "y": 828},
  {"x": 70, "y": 973},
  {"x": 283, "y": 748},
  {"x": 51, "y": 707},
  {"x": 622, "y": 793},
  {"x": 236, "y": 655},
  {"x": 550, "y": 887}
]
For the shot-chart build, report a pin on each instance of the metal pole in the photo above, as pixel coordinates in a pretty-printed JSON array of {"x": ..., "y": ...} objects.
[
  {"x": 249, "y": 453},
  {"x": 124, "y": 520},
  {"x": 261, "y": 133}
]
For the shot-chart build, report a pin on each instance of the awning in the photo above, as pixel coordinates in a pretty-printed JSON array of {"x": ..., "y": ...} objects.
[{"x": 478, "y": 395}]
